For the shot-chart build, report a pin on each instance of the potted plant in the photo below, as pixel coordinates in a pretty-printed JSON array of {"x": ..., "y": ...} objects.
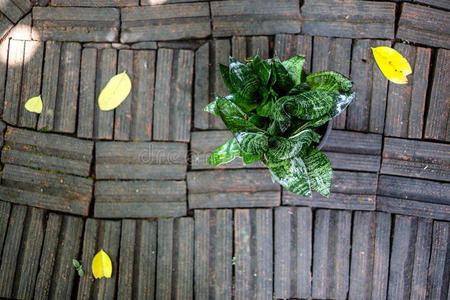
[{"x": 280, "y": 115}]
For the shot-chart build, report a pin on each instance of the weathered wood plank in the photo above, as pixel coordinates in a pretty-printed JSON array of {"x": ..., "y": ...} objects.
[
  {"x": 11, "y": 10},
  {"x": 103, "y": 120},
  {"x": 437, "y": 3},
  {"x": 95, "y": 3},
  {"x": 31, "y": 81},
  {"x": 61, "y": 245},
  {"x": 86, "y": 102},
  {"x": 239, "y": 47},
  {"x": 421, "y": 259},
  {"x": 413, "y": 27},
  {"x": 232, "y": 18},
  {"x": 424, "y": 160},
  {"x": 258, "y": 45},
  {"x": 331, "y": 254},
  {"x": 79, "y": 24},
  {"x": 5, "y": 25},
  {"x": 406, "y": 102},
  {"x": 13, "y": 82},
  {"x": 125, "y": 199},
  {"x": 367, "y": 112},
  {"x": 201, "y": 87},
  {"x": 213, "y": 254},
  {"x": 165, "y": 22},
  {"x": 438, "y": 111},
  {"x": 203, "y": 143},
  {"x": 47, "y": 190},
  {"x": 153, "y": 2},
  {"x": 289, "y": 45},
  {"x": 174, "y": 270},
  {"x": 155, "y": 160},
  {"x": 172, "y": 109},
  {"x": 413, "y": 208},
  {"x": 439, "y": 268},
  {"x": 254, "y": 253},
  {"x": 99, "y": 234},
  {"x": 126, "y": 260},
  {"x": 183, "y": 44},
  {"x": 351, "y": 19},
  {"x": 232, "y": 188},
  {"x": 402, "y": 257},
  {"x": 293, "y": 252},
  {"x": 349, "y": 190},
  {"x": 5, "y": 211},
  {"x": 381, "y": 256}
]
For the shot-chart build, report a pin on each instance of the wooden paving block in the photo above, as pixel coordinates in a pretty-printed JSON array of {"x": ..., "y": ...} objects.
[
  {"x": 421, "y": 259},
  {"x": 21, "y": 31},
  {"x": 10, "y": 252},
  {"x": 402, "y": 257},
  {"x": 31, "y": 81},
  {"x": 351, "y": 19},
  {"x": 131, "y": 199},
  {"x": 238, "y": 18},
  {"x": 239, "y": 48},
  {"x": 245, "y": 47},
  {"x": 413, "y": 208},
  {"x": 5, "y": 211},
  {"x": 333, "y": 54},
  {"x": 165, "y": 22},
  {"x": 331, "y": 254},
  {"x": 155, "y": 160},
  {"x": 439, "y": 268},
  {"x": 424, "y": 25},
  {"x": 213, "y": 254},
  {"x": 100, "y": 234},
  {"x": 438, "y": 116},
  {"x": 13, "y": 82},
  {"x": 78, "y": 24},
  {"x": 289, "y": 45},
  {"x": 183, "y": 44},
  {"x": 349, "y": 190},
  {"x": 88, "y": 71},
  {"x": 174, "y": 270},
  {"x": 4, "y": 49},
  {"x": 406, "y": 102},
  {"x": 95, "y": 3},
  {"x": 145, "y": 45},
  {"x": 137, "y": 261},
  {"x": 133, "y": 118},
  {"x": 253, "y": 244},
  {"x": 370, "y": 255},
  {"x": 47, "y": 151},
  {"x": 173, "y": 98},
  {"x": 437, "y": 3},
  {"x": 293, "y": 252},
  {"x": 203, "y": 143},
  {"x": 62, "y": 242},
  {"x": 232, "y": 188},
  {"x": 158, "y": 2},
  {"x": 66, "y": 193},
  {"x": 367, "y": 111},
  {"x": 12, "y": 11},
  {"x": 104, "y": 120},
  {"x": 201, "y": 87},
  {"x": 414, "y": 189},
  {"x": 5, "y": 25},
  {"x": 424, "y": 160}
]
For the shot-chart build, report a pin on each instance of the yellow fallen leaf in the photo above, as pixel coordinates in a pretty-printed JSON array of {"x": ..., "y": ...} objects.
[
  {"x": 34, "y": 104},
  {"x": 393, "y": 65},
  {"x": 101, "y": 265},
  {"x": 115, "y": 91}
]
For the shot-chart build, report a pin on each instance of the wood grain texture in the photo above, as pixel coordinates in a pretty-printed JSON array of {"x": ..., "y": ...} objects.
[
  {"x": 88, "y": 73},
  {"x": 79, "y": 24},
  {"x": 253, "y": 242},
  {"x": 95, "y": 3},
  {"x": 424, "y": 25},
  {"x": 5, "y": 25},
  {"x": 289, "y": 45},
  {"x": 351, "y": 19},
  {"x": 438, "y": 116},
  {"x": 406, "y": 102},
  {"x": 413, "y": 208},
  {"x": 293, "y": 252},
  {"x": 213, "y": 254},
  {"x": 231, "y": 18},
  {"x": 165, "y": 22},
  {"x": 421, "y": 259},
  {"x": 173, "y": 98},
  {"x": 14, "y": 12},
  {"x": 5, "y": 211},
  {"x": 13, "y": 82}
]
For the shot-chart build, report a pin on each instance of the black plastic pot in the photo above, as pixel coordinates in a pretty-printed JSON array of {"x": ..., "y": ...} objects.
[{"x": 327, "y": 129}]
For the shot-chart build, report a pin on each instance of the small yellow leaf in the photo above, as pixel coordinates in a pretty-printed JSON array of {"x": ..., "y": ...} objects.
[
  {"x": 34, "y": 104},
  {"x": 115, "y": 92},
  {"x": 393, "y": 65},
  {"x": 101, "y": 265}
]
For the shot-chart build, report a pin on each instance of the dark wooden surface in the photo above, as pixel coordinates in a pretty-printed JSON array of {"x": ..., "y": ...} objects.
[{"x": 135, "y": 181}]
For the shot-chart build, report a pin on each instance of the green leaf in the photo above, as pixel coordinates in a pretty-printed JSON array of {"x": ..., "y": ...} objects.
[
  {"x": 211, "y": 107},
  {"x": 278, "y": 127},
  {"x": 294, "y": 66},
  {"x": 80, "y": 272},
  {"x": 259, "y": 121},
  {"x": 253, "y": 143},
  {"x": 249, "y": 159},
  {"x": 225, "y": 72},
  {"x": 341, "y": 103},
  {"x": 225, "y": 153},
  {"x": 317, "y": 122},
  {"x": 261, "y": 68},
  {"x": 299, "y": 88},
  {"x": 292, "y": 174},
  {"x": 284, "y": 82},
  {"x": 329, "y": 81},
  {"x": 306, "y": 137},
  {"x": 76, "y": 263},
  {"x": 265, "y": 108},
  {"x": 244, "y": 105},
  {"x": 281, "y": 148},
  {"x": 233, "y": 117},
  {"x": 244, "y": 81},
  {"x": 307, "y": 106},
  {"x": 319, "y": 171}
]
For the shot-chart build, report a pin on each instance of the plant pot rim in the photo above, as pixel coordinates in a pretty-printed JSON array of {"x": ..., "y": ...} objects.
[{"x": 326, "y": 135}]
